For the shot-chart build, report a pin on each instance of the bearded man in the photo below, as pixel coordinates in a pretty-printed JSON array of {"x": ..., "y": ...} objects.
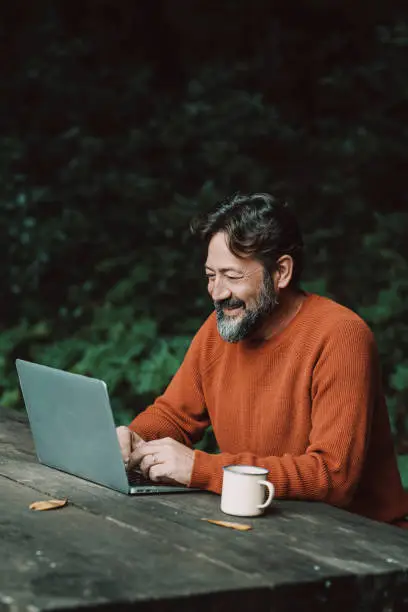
[{"x": 290, "y": 381}]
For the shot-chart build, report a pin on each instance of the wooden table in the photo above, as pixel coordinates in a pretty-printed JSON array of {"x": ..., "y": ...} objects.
[{"x": 112, "y": 552}]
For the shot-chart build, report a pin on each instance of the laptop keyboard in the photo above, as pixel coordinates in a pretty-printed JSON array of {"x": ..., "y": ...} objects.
[{"x": 136, "y": 478}]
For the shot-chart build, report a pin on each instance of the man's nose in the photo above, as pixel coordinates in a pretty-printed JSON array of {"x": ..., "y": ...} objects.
[{"x": 219, "y": 291}]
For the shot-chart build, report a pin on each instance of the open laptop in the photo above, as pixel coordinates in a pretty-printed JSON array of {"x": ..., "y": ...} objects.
[{"x": 73, "y": 429}]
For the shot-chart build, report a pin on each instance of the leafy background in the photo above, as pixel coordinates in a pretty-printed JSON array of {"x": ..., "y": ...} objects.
[{"x": 121, "y": 121}]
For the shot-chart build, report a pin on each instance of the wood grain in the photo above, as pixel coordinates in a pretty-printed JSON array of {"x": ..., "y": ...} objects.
[{"x": 106, "y": 550}]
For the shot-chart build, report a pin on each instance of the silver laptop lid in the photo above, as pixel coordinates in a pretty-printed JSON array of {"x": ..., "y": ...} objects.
[{"x": 72, "y": 424}]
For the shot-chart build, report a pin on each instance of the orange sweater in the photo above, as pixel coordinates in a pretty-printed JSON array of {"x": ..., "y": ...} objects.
[{"x": 306, "y": 404}]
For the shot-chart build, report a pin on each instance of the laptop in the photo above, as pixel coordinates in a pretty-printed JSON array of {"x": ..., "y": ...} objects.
[{"x": 73, "y": 429}]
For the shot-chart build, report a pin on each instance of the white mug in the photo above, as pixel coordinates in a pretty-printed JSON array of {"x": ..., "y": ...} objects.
[{"x": 243, "y": 490}]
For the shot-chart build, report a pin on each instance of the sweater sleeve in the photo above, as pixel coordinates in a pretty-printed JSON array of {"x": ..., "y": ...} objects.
[
  {"x": 180, "y": 413},
  {"x": 343, "y": 395}
]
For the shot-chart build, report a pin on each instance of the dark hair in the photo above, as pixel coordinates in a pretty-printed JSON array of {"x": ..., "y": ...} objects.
[{"x": 257, "y": 225}]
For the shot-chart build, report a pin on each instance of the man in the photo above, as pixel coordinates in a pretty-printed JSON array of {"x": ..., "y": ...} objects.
[{"x": 290, "y": 381}]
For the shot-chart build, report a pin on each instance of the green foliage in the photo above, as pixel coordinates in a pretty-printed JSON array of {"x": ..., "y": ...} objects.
[
  {"x": 125, "y": 351},
  {"x": 107, "y": 154},
  {"x": 403, "y": 468}
]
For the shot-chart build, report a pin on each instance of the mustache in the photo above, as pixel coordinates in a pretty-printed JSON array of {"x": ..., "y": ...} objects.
[{"x": 228, "y": 303}]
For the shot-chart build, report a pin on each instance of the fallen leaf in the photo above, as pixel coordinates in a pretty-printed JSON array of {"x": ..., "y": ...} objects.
[
  {"x": 50, "y": 504},
  {"x": 237, "y": 526}
]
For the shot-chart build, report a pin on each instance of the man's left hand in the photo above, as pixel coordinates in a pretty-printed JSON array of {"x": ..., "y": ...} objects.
[{"x": 164, "y": 460}]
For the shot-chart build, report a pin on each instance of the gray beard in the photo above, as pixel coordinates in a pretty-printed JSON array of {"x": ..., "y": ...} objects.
[{"x": 233, "y": 329}]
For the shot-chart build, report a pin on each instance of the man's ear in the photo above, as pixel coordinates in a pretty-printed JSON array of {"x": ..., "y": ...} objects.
[{"x": 284, "y": 272}]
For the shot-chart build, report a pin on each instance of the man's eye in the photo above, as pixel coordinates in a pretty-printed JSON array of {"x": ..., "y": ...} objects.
[{"x": 211, "y": 277}]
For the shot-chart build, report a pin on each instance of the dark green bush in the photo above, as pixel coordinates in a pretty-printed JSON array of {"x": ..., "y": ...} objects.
[{"x": 113, "y": 138}]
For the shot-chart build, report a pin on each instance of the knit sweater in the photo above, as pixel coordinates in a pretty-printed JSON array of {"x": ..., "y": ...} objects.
[{"x": 307, "y": 404}]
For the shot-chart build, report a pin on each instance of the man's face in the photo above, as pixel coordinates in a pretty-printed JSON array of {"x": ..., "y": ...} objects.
[{"x": 243, "y": 294}]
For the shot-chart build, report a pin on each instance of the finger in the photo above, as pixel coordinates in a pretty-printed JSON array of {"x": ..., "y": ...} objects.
[
  {"x": 146, "y": 448},
  {"x": 140, "y": 451},
  {"x": 135, "y": 440},
  {"x": 145, "y": 465},
  {"x": 134, "y": 459},
  {"x": 124, "y": 439},
  {"x": 158, "y": 473}
]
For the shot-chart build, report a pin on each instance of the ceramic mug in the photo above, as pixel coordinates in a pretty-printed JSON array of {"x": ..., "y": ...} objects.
[{"x": 243, "y": 490}]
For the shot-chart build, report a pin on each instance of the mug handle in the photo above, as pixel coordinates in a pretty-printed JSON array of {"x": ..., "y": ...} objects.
[{"x": 271, "y": 493}]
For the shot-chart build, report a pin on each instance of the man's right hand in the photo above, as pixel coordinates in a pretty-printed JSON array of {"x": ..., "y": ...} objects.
[{"x": 128, "y": 441}]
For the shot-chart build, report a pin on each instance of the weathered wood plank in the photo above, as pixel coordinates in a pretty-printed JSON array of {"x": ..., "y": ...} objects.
[
  {"x": 69, "y": 556},
  {"x": 298, "y": 550},
  {"x": 297, "y": 521}
]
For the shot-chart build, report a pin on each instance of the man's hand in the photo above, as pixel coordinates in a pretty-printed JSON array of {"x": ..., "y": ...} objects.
[
  {"x": 164, "y": 460},
  {"x": 128, "y": 441}
]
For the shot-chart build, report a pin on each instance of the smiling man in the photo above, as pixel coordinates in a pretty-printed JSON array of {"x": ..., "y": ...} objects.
[{"x": 290, "y": 381}]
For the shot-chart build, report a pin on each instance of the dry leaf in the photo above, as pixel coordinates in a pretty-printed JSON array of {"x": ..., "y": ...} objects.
[
  {"x": 237, "y": 526},
  {"x": 50, "y": 504}
]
